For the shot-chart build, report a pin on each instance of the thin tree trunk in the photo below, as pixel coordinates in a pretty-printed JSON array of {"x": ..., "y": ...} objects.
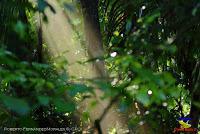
[
  {"x": 109, "y": 117},
  {"x": 93, "y": 34},
  {"x": 195, "y": 99},
  {"x": 39, "y": 45}
]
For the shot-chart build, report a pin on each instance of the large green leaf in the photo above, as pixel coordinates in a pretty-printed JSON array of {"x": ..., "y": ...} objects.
[
  {"x": 17, "y": 105},
  {"x": 78, "y": 88},
  {"x": 63, "y": 106}
]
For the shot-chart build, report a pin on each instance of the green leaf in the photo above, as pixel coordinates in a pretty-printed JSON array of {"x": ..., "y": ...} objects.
[
  {"x": 43, "y": 100},
  {"x": 143, "y": 97},
  {"x": 43, "y": 4},
  {"x": 78, "y": 88},
  {"x": 161, "y": 95},
  {"x": 128, "y": 25},
  {"x": 20, "y": 29},
  {"x": 116, "y": 33},
  {"x": 150, "y": 18},
  {"x": 63, "y": 107},
  {"x": 17, "y": 105},
  {"x": 195, "y": 10}
]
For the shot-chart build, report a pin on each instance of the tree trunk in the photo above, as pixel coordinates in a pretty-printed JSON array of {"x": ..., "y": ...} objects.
[
  {"x": 93, "y": 34},
  {"x": 195, "y": 99},
  {"x": 109, "y": 117},
  {"x": 58, "y": 34}
]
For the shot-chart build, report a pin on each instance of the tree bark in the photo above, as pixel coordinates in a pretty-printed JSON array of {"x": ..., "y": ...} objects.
[
  {"x": 109, "y": 117},
  {"x": 195, "y": 92},
  {"x": 93, "y": 34}
]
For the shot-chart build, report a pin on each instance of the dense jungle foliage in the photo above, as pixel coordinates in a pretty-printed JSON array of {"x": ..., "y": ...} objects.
[{"x": 151, "y": 54}]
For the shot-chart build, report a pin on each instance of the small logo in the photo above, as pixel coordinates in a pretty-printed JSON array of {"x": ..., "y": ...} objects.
[{"x": 184, "y": 126}]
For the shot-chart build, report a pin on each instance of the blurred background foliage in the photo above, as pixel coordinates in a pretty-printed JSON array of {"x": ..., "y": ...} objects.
[{"x": 151, "y": 54}]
